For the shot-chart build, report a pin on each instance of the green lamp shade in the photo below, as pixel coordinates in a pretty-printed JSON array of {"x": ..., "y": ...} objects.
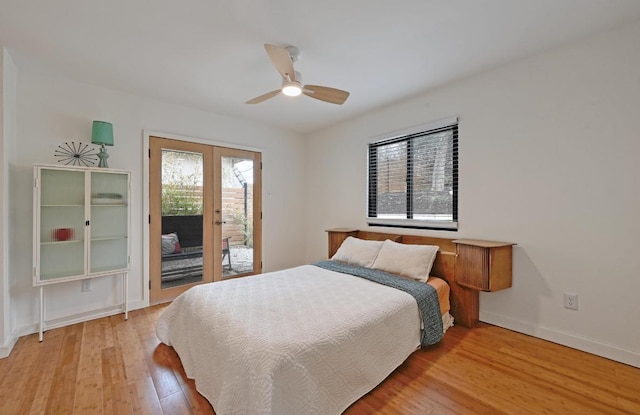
[{"x": 102, "y": 133}]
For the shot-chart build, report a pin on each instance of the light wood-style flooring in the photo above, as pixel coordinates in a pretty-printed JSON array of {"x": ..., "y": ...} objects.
[{"x": 109, "y": 366}]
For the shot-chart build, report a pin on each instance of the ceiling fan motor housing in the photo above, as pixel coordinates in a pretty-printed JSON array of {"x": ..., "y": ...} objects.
[{"x": 294, "y": 52}]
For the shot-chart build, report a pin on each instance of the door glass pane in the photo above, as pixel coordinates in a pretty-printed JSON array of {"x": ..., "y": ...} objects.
[
  {"x": 61, "y": 223},
  {"x": 237, "y": 216},
  {"x": 109, "y": 222},
  {"x": 182, "y": 222}
]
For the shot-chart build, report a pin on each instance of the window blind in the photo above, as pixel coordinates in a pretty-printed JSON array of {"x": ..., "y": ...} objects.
[{"x": 413, "y": 179}]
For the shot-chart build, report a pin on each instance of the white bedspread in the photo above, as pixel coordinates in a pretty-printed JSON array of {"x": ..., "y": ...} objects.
[{"x": 300, "y": 341}]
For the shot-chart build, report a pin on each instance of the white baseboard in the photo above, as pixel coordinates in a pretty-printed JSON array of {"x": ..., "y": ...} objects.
[
  {"x": 138, "y": 305},
  {"x": 6, "y": 348},
  {"x": 31, "y": 328},
  {"x": 628, "y": 357},
  {"x": 82, "y": 317},
  {"x": 590, "y": 346}
]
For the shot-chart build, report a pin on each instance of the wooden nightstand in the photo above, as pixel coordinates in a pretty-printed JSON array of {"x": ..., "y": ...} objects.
[{"x": 483, "y": 265}]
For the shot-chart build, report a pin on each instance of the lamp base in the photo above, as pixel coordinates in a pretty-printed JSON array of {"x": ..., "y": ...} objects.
[{"x": 103, "y": 156}]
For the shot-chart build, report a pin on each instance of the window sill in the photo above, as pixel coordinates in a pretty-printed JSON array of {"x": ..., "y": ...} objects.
[{"x": 414, "y": 224}]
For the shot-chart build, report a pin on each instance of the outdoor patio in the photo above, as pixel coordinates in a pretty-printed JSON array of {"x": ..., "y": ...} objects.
[{"x": 189, "y": 270}]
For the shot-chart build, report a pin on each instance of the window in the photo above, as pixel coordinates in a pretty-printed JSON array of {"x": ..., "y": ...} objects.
[{"x": 413, "y": 178}]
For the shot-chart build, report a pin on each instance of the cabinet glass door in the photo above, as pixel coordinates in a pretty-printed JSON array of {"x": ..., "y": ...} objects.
[
  {"x": 62, "y": 227},
  {"x": 108, "y": 247}
]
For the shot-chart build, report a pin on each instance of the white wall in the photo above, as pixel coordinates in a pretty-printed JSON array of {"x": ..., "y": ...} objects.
[
  {"x": 4, "y": 220},
  {"x": 54, "y": 111},
  {"x": 8, "y": 85},
  {"x": 549, "y": 151}
]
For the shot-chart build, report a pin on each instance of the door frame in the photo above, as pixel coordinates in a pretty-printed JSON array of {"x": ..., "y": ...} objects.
[
  {"x": 218, "y": 153},
  {"x": 155, "y": 214},
  {"x": 146, "y": 134}
]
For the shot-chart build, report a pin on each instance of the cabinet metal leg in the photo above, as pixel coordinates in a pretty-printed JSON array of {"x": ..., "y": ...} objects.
[
  {"x": 124, "y": 295},
  {"x": 41, "y": 326}
]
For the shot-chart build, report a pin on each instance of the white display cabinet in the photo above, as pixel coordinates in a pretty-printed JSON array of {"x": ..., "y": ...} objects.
[{"x": 81, "y": 226}]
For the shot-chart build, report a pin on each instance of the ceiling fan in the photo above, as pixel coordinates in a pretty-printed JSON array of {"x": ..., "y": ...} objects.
[{"x": 283, "y": 58}]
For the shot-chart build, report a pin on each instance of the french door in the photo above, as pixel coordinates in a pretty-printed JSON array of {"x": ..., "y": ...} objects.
[{"x": 205, "y": 215}]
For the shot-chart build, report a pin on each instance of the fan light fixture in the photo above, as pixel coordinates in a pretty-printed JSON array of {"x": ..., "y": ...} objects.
[{"x": 292, "y": 89}]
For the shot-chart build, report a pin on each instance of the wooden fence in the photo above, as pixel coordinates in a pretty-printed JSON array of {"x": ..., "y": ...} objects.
[{"x": 233, "y": 208}]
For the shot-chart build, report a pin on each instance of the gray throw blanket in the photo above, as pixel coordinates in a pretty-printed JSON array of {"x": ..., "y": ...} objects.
[{"x": 425, "y": 295}]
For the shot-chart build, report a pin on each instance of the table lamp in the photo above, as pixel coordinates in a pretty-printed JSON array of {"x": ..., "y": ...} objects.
[{"x": 102, "y": 134}]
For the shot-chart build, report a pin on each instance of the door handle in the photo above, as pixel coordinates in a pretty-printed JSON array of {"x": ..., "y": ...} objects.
[{"x": 219, "y": 222}]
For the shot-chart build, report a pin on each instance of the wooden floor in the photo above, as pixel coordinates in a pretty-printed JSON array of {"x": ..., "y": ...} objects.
[{"x": 109, "y": 366}]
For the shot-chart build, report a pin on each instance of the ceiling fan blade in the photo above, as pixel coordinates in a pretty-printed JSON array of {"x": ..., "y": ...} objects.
[
  {"x": 324, "y": 93},
  {"x": 281, "y": 60},
  {"x": 264, "y": 97}
]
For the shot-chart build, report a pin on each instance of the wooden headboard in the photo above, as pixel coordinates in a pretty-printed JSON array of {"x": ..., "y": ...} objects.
[{"x": 465, "y": 305}]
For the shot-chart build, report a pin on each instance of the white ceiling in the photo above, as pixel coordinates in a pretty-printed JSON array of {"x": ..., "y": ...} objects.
[{"x": 209, "y": 54}]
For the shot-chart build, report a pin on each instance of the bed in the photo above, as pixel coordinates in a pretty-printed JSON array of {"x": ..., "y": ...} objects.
[{"x": 311, "y": 339}]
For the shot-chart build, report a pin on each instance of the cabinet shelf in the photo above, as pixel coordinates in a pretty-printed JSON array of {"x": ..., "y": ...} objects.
[
  {"x": 109, "y": 238},
  {"x": 57, "y": 277},
  {"x": 102, "y": 270},
  {"x": 74, "y": 241}
]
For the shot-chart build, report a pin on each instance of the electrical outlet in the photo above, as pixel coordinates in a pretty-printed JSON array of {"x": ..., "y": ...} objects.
[
  {"x": 571, "y": 301},
  {"x": 86, "y": 285}
]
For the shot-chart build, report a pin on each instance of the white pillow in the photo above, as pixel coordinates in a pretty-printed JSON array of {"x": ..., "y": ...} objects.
[
  {"x": 413, "y": 261},
  {"x": 170, "y": 244},
  {"x": 356, "y": 251}
]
